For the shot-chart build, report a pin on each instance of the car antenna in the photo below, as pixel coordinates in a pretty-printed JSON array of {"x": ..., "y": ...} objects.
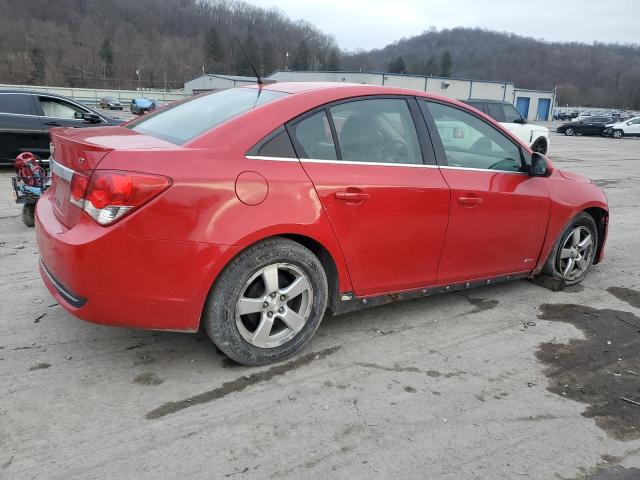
[{"x": 253, "y": 67}]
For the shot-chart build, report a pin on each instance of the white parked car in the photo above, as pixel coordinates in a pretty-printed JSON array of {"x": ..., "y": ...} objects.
[
  {"x": 629, "y": 128},
  {"x": 536, "y": 136}
]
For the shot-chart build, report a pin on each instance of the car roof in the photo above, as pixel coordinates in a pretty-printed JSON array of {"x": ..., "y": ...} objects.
[{"x": 330, "y": 91}]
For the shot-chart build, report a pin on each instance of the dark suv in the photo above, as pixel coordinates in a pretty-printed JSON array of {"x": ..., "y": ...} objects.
[{"x": 25, "y": 118}]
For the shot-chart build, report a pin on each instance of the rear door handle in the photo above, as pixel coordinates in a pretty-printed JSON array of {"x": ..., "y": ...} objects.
[
  {"x": 469, "y": 201},
  {"x": 352, "y": 196},
  {"x": 53, "y": 124}
]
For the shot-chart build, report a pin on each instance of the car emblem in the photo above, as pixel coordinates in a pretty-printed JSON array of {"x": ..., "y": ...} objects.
[{"x": 81, "y": 161}]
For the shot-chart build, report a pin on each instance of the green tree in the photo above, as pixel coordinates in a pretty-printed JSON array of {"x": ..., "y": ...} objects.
[
  {"x": 39, "y": 64},
  {"x": 268, "y": 65},
  {"x": 445, "y": 64},
  {"x": 397, "y": 66},
  {"x": 431, "y": 67},
  {"x": 333, "y": 60},
  {"x": 301, "y": 58},
  {"x": 106, "y": 57},
  {"x": 213, "y": 51}
]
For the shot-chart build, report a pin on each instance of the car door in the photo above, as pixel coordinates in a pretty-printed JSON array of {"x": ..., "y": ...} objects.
[
  {"x": 379, "y": 185},
  {"x": 498, "y": 214},
  {"x": 632, "y": 127},
  {"x": 56, "y": 112},
  {"x": 20, "y": 127}
]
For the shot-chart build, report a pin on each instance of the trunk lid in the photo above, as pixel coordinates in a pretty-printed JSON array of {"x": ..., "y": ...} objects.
[{"x": 82, "y": 150}]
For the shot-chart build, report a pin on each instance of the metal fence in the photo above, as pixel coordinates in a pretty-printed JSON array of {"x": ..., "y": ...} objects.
[{"x": 91, "y": 96}]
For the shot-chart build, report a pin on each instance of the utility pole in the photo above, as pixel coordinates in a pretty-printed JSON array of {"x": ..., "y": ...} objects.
[
  {"x": 138, "y": 74},
  {"x": 286, "y": 61}
]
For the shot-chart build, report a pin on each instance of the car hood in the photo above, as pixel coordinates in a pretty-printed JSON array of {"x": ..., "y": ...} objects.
[{"x": 576, "y": 177}]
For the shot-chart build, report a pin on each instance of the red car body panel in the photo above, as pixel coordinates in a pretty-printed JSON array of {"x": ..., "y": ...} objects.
[{"x": 155, "y": 267}]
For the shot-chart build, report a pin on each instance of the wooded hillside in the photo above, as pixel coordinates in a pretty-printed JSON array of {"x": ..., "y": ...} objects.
[
  {"x": 96, "y": 43},
  {"x": 102, "y": 43},
  {"x": 605, "y": 75}
]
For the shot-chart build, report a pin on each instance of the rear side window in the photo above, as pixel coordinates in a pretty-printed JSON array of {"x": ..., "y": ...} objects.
[
  {"x": 17, "y": 104},
  {"x": 276, "y": 145},
  {"x": 377, "y": 130},
  {"x": 313, "y": 137},
  {"x": 184, "y": 121}
]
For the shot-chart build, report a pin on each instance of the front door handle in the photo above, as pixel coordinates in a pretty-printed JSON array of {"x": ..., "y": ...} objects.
[
  {"x": 469, "y": 201},
  {"x": 352, "y": 196},
  {"x": 53, "y": 124}
]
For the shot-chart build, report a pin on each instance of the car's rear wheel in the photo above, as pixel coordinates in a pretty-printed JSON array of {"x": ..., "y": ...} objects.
[
  {"x": 540, "y": 146},
  {"x": 267, "y": 303},
  {"x": 575, "y": 251},
  {"x": 617, "y": 133},
  {"x": 569, "y": 131}
]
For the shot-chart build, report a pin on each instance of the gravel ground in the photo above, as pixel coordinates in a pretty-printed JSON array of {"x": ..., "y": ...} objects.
[{"x": 501, "y": 382}]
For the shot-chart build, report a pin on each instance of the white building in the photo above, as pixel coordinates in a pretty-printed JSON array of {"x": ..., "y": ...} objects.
[{"x": 532, "y": 104}]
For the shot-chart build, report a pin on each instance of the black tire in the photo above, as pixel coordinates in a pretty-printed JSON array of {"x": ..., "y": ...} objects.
[
  {"x": 28, "y": 215},
  {"x": 553, "y": 264},
  {"x": 617, "y": 133},
  {"x": 540, "y": 146},
  {"x": 220, "y": 310},
  {"x": 569, "y": 132}
]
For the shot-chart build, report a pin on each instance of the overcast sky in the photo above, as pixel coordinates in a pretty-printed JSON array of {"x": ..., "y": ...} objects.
[{"x": 375, "y": 23}]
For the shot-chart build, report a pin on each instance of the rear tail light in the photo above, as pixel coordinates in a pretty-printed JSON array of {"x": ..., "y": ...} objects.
[{"x": 108, "y": 195}]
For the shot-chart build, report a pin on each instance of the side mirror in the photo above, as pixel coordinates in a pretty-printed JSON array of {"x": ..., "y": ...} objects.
[
  {"x": 520, "y": 120},
  {"x": 539, "y": 166},
  {"x": 91, "y": 117}
]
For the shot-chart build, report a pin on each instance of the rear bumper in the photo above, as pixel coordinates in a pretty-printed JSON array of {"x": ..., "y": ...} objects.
[{"x": 107, "y": 276}]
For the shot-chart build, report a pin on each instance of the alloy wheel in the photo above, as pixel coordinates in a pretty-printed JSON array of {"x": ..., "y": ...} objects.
[
  {"x": 617, "y": 134},
  {"x": 568, "y": 132},
  {"x": 274, "y": 305},
  {"x": 576, "y": 254}
]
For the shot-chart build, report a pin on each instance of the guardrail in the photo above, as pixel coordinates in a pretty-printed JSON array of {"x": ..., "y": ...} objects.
[{"x": 91, "y": 96}]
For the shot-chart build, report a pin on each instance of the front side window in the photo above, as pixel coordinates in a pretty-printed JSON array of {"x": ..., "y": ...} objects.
[
  {"x": 53, "y": 107},
  {"x": 472, "y": 143},
  {"x": 184, "y": 121},
  {"x": 377, "y": 130},
  {"x": 313, "y": 137},
  {"x": 496, "y": 112},
  {"x": 511, "y": 115}
]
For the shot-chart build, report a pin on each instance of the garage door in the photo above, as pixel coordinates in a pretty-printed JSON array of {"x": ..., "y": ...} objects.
[
  {"x": 543, "y": 109},
  {"x": 522, "y": 105}
]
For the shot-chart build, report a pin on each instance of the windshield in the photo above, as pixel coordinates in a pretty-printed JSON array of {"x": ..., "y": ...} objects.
[{"x": 184, "y": 121}]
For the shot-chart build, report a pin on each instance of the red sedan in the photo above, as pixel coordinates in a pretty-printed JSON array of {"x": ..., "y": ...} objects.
[{"x": 257, "y": 210}]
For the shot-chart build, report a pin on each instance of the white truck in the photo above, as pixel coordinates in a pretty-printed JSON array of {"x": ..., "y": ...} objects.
[{"x": 536, "y": 136}]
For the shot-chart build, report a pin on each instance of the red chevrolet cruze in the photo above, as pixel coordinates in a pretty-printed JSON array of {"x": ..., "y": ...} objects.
[{"x": 257, "y": 209}]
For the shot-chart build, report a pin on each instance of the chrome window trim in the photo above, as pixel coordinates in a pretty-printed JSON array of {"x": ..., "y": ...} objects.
[
  {"x": 482, "y": 170},
  {"x": 275, "y": 159},
  {"x": 19, "y": 114},
  {"x": 60, "y": 170},
  {"x": 374, "y": 164}
]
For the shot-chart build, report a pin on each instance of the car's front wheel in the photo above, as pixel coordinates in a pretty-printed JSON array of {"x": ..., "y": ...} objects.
[
  {"x": 569, "y": 132},
  {"x": 267, "y": 303},
  {"x": 575, "y": 251},
  {"x": 617, "y": 133}
]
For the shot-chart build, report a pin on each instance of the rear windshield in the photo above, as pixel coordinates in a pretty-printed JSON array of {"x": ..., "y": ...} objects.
[{"x": 182, "y": 122}]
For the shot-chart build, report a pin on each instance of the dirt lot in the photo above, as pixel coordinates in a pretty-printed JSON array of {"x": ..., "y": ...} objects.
[{"x": 502, "y": 382}]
